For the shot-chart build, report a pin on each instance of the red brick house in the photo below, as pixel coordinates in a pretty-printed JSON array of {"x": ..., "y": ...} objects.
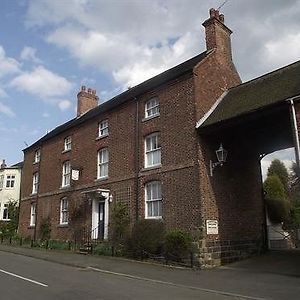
[{"x": 147, "y": 148}]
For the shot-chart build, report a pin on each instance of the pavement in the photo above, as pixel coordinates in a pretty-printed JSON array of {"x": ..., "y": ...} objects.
[{"x": 275, "y": 275}]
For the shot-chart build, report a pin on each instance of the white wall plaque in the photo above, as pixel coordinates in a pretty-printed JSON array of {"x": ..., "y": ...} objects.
[
  {"x": 212, "y": 227},
  {"x": 75, "y": 174}
]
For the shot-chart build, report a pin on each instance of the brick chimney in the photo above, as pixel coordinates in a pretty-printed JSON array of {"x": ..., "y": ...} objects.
[
  {"x": 217, "y": 34},
  {"x": 86, "y": 100},
  {"x": 3, "y": 164}
]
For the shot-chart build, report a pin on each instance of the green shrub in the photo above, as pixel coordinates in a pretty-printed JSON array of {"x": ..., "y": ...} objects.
[
  {"x": 58, "y": 245},
  {"x": 177, "y": 244},
  {"x": 277, "y": 206},
  {"x": 45, "y": 229},
  {"x": 278, "y": 210},
  {"x": 119, "y": 223},
  {"x": 146, "y": 238},
  {"x": 292, "y": 222},
  {"x": 102, "y": 249}
]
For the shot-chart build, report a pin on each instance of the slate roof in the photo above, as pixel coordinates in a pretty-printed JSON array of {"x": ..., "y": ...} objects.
[
  {"x": 148, "y": 85},
  {"x": 18, "y": 165},
  {"x": 257, "y": 94}
]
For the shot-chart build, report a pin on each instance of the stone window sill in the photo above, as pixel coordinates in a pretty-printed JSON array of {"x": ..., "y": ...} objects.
[
  {"x": 150, "y": 118},
  {"x": 151, "y": 168},
  {"x": 65, "y": 151},
  {"x": 101, "y": 137},
  {"x": 101, "y": 179},
  {"x": 63, "y": 225}
]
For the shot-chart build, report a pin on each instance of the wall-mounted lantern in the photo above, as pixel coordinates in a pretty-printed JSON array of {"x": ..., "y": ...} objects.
[{"x": 221, "y": 156}]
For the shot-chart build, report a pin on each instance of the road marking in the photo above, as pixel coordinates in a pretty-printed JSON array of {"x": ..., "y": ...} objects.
[
  {"x": 23, "y": 278},
  {"x": 175, "y": 284}
]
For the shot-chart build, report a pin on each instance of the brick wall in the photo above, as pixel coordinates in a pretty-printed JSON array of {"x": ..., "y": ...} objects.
[{"x": 178, "y": 173}]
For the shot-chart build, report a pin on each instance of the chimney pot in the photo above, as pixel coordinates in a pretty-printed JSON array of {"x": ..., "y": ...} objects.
[
  {"x": 212, "y": 12},
  {"x": 218, "y": 34},
  {"x": 86, "y": 100},
  {"x": 3, "y": 165}
]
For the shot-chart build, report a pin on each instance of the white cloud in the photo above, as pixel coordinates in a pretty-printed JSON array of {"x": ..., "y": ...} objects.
[
  {"x": 273, "y": 50},
  {"x": 8, "y": 65},
  {"x": 132, "y": 49},
  {"x": 4, "y": 109},
  {"x": 96, "y": 33},
  {"x": 3, "y": 93},
  {"x": 64, "y": 104},
  {"x": 43, "y": 83},
  {"x": 29, "y": 54},
  {"x": 46, "y": 115},
  {"x": 134, "y": 63}
]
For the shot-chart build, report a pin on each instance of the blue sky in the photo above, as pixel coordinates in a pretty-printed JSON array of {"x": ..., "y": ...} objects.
[{"x": 49, "y": 48}]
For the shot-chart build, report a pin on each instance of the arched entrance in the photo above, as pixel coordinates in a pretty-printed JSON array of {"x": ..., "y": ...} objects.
[{"x": 251, "y": 121}]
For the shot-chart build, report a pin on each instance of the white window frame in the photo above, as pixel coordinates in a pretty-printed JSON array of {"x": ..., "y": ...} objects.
[
  {"x": 68, "y": 143},
  {"x": 152, "y": 200},
  {"x": 10, "y": 181},
  {"x": 5, "y": 208},
  {"x": 37, "y": 156},
  {"x": 152, "y": 108},
  {"x": 66, "y": 174},
  {"x": 1, "y": 181},
  {"x": 35, "y": 183},
  {"x": 103, "y": 128},
  {"x": 64, "y": 211},
  {"x": 32, "y": 214},
  {"x": 154, "y": 148},
  {"x": 102, "y": 164}
]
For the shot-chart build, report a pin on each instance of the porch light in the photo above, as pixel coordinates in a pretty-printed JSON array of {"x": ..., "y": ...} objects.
[{"x": 221, "y": 156}]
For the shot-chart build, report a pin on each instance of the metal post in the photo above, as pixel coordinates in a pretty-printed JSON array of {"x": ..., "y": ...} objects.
[{"x": 296, "y": 132}]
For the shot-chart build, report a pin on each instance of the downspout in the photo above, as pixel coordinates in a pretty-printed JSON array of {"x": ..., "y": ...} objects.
[
  {"x": 20, "y": 195},
  {"x": 136, "y": 160},
  {"x": 295, "y": 131},
  {"x": 265, "y": 238},
  {"x": 37, "y": 199}
]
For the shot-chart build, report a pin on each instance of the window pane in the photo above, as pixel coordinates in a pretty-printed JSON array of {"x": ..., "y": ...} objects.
[
  {"x": 159, "y": 203},
  {"x": 152, "y": 107},
  {"x": 150, "y": 209},
  {"x": 103, "y": 158},
  {"x": 155, "y": 208},
  {"x": 153, "y": 199},
  {"x": 148, "y": 144},
  {"x": 156, "y": 157}
]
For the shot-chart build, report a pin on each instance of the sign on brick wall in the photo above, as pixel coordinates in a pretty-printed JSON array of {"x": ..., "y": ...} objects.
[
  {"x": 212, "y": 227},
  {"x": 75, "y": 174}
]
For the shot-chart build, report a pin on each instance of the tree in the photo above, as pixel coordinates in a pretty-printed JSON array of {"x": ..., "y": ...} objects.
[
  {"x": 276, "y": 199},
  {"x": 9, "y": 229},
  {"x": 119, "y": 224},
  {"x": 293, "y": 221},
  {"x": 278, "y": 168},
  {"x": 295, "y": 184}
]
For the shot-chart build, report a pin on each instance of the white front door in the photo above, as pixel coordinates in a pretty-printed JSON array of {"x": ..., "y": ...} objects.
[{"x": 100, "y": 209}]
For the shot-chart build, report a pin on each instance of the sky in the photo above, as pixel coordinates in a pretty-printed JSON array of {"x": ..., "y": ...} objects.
[{"x": 49, "y": 48}]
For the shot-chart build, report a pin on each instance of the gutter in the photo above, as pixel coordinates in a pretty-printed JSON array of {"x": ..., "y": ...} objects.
[{"x": 295, "y": 128}]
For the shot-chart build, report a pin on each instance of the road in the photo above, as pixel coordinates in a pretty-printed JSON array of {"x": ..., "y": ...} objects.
[{"x": 30, "y": 278}]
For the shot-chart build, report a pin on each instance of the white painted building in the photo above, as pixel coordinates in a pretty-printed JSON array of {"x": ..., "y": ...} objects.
[{"x": 10, "y": 183}]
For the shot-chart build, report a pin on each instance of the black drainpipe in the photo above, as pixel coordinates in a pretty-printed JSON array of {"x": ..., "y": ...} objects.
[
  {"x": 37, "y": 197},
  {"x": 136, "y": 160}
]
